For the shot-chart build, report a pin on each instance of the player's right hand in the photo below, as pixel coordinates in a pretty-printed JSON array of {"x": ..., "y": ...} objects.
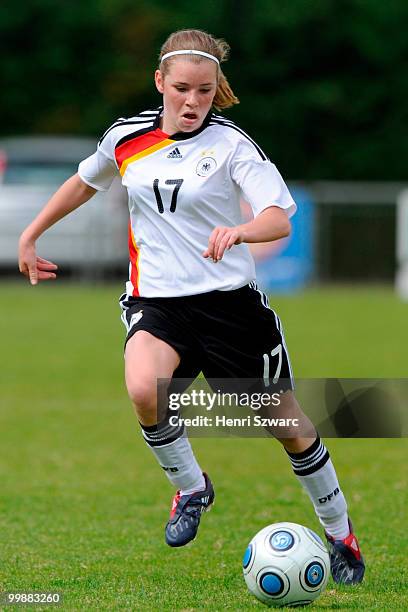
[{"x": 35, "y": 268}]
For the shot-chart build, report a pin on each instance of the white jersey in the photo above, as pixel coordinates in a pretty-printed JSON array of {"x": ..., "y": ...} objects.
[{"x": 180, "y": 188}]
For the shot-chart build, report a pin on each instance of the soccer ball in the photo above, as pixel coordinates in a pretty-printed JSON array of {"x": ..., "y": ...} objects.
[{"x": 286, "y": 564}]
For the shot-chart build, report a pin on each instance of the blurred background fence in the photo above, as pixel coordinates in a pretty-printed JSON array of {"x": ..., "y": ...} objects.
[{"x": 323, "y": 88}]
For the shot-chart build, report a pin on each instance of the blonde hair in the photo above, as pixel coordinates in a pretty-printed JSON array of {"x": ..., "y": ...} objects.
[{"x": 198, "y": 40}]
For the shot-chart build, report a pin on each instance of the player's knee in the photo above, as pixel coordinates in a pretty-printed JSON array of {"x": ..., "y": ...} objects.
[{"x": 143, "y": 395}]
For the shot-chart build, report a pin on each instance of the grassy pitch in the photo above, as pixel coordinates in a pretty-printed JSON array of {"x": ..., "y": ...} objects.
[{"x": 83, "y": 503}]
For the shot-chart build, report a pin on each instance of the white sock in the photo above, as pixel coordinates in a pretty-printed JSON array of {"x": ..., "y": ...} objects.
[
  {"x": 314, "y": 470},
  {"x": 174, "y": 453}
]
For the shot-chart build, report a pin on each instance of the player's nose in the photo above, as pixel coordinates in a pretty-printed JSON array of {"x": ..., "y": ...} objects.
[{"x": 192, "y": 99}]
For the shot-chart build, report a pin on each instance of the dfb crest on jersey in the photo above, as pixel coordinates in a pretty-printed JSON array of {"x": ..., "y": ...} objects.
[{"x": 206, "y": 166}]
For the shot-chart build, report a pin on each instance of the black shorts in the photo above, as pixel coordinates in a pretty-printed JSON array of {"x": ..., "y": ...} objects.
[{"x": 224, "y": 334}]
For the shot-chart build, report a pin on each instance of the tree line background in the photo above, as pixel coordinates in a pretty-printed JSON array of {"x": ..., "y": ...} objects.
[{"x": 323, "y": 84}]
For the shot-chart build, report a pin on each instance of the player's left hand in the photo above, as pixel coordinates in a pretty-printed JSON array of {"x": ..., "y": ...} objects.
[{"x": 222, "y": 239}]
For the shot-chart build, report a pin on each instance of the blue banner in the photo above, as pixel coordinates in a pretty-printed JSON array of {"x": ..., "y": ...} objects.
[{"x": 288, "y": 264}]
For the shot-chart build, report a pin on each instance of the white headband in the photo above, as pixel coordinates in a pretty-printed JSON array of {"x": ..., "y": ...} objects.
[{"x": 190, "y": 52}]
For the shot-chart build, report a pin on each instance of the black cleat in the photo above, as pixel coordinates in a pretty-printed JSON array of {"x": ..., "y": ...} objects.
[
  {"x": 186, "y": 513},
  {"x": 346, "y": 561}
]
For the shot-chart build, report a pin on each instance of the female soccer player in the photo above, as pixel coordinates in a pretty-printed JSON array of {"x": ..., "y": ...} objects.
[{"x": 191, "y": 302}]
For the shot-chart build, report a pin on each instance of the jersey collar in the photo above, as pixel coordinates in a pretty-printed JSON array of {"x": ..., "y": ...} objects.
[{"x": 182, "y": 135}]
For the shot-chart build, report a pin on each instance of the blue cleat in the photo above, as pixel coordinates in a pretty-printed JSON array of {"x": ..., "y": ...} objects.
[
  {"x": 186, "y": 513},
  {"x": 346, "y": 561}
]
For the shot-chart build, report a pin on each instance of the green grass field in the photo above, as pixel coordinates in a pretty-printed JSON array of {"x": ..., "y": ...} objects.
[{"x": 83, "y": 503}]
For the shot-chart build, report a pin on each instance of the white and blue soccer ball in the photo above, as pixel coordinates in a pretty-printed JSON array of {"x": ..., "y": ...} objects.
[{"x": 286, "y": 564}]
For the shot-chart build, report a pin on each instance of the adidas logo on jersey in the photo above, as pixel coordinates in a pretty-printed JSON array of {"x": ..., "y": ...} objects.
[{"x": 175, "y": 154}]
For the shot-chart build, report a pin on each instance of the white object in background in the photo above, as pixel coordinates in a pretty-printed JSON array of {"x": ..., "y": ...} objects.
[{"x": 401, "y": 278}]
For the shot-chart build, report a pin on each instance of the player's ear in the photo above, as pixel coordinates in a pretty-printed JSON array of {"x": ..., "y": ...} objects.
[{"x": 158, "y": 79}]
